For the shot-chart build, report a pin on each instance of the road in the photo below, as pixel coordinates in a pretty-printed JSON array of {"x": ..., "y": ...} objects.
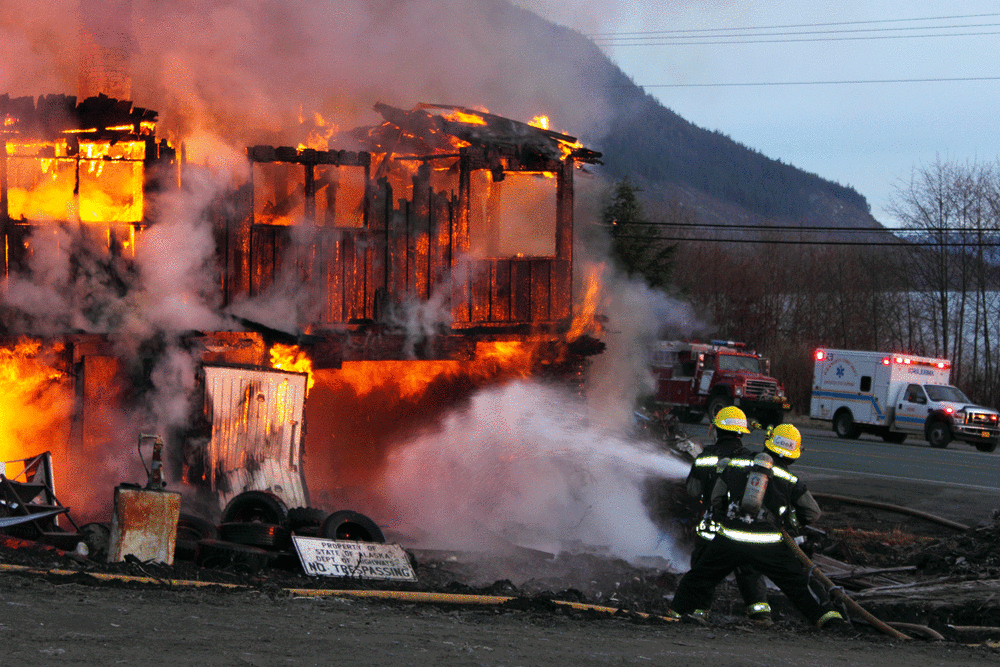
[{"x": 958, "y": 483}]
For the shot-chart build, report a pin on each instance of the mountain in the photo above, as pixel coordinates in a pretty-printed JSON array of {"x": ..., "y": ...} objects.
[{"x": 673, "y": 160}]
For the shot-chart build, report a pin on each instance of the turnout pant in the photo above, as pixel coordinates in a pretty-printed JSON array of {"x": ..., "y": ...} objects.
[
  {"x": 748, "y": 580},
  {"x": 723, "y": 555}
]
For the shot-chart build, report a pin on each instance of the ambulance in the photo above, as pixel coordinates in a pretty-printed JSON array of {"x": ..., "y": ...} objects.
[{"x": 895, "y": 395}]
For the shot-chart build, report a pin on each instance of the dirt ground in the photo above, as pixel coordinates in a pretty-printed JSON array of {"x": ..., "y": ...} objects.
[
  {"x": 59, "y": 612},
  {"x": 49, "y": 621}
]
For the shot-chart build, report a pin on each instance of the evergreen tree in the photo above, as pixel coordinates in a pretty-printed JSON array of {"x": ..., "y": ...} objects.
[{"x": 636, "y": 247}]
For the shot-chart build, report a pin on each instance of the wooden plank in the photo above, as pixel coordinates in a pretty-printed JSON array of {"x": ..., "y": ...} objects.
[
  {"x": 419, "y": 232},
  {"x": 500, "y": 286},
  {"x": 398, "y": 238},
  {"x": 262, "y": 264},
  {"x": 440, "y": 231},
  {"x": 480, "y": 286},
  {"x": 359, "y": 308},
  {"x": 541, "y": 282},
  {"x": 562, "y": 291},
  {"x": 520, "y": 291},
  {"x": 379, "y": 214},
  {"x": 334, "y": 279},
  {"x": 350, "y": 276},
  {"x": 461, "y": 305}
]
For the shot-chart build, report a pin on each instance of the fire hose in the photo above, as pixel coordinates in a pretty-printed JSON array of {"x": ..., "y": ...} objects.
[
  {"x": 838, "y": 592},
  {"x": 892, "y": 508}
]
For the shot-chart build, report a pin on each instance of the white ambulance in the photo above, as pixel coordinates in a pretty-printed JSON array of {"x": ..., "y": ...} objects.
[{"x": 895, "y": 395}]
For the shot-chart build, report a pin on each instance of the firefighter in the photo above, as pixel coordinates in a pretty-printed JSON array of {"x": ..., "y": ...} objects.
[
  {"x": 754, "y": 499},
  {"x": 730, "y": 425}
]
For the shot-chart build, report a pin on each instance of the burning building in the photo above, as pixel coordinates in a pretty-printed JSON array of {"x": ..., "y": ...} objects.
[{"x": 394, "y": 266}]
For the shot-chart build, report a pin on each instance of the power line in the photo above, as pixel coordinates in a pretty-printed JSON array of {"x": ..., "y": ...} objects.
[
  {"x": 818, "y": 83},
  {"x": 811, "y": 228},
  {"x": 794, "y": 40},
  {"x": 797, "y": 25},
  {"x": 899, "y": 243},
  {"x": 726, "y": 33}
]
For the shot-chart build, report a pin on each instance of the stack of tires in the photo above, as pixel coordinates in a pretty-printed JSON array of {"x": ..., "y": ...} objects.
[{"x": 256, "y": 532}]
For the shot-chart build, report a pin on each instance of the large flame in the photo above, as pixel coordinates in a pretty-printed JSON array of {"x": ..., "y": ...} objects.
[
  {"x": 291, "y": 358},
  {"x": 38, "y": 401},
  {"x": 585, "y": 321},
  {"x": 103, "y": 182}
]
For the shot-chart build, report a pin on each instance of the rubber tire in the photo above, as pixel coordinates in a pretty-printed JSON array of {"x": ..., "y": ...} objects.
[
  {"x": 894, "y": 437},
  {"x": 348, "y": 525},
  {"x": 256, "y": 534},
  {"x": 306, "y": 520},
  {"x": 262, "y": 506},
  {"x": 844, "y": 426},
  {"x": 938, "y": 434},
  {"x": 242, "y": 557},
  {"x": 986, "y": 446},
  {"x": 193, "y": 528},
  {"x": 715, "y": 404}
]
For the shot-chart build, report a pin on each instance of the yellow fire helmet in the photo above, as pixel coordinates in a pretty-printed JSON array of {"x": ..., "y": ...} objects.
[
  {"x": 785, "y": 440},
  {"x": 731, "y": 418}
]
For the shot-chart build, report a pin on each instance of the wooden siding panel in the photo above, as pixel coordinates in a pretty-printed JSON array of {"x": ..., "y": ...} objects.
[
  {"x": 500, "y": 287},
  {"x": 562, "y": 290},
  {"x": 480, "y": 284},
  {"x": 520, "y": 291},
  {"x": 541, "y": 282}
]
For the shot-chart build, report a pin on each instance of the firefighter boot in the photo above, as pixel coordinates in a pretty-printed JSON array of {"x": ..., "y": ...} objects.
[{"x": 760, "y": 614}]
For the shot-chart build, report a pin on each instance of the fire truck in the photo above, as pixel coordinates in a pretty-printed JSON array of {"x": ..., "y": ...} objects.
[
  {"x": 698, "y": 379},
  {"x": 895, "y": 395}
]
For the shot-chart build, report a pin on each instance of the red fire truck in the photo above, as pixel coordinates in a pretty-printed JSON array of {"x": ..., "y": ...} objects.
[{"x": 699, "y": 379}]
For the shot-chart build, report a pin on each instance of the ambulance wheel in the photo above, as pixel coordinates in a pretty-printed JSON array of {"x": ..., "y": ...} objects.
[
  {"x": 844, "y": 426},
  {"x": 348, "y": 525},
  {"x": 938, "y": 434},
  {"x": 986, "y": 446},
  {"x": 894, "y": 437}
]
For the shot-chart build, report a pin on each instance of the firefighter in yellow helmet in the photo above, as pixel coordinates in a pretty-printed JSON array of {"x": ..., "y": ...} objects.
[
  {"x": 730, "y": 425},
  {"x": 732, "y": 419},
  {"x": 785, "y": 441},
  {"x": 754, "y": 499}
]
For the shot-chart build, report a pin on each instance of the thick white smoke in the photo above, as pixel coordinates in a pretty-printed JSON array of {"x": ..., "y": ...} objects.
[{"x": 524, "y": 465}]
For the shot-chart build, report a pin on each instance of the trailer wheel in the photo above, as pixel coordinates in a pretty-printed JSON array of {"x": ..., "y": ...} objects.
[
  {"x": 844, "y": 426},
  {"x": 348, "y": 525},
  {"x": 938, "y": 434}
]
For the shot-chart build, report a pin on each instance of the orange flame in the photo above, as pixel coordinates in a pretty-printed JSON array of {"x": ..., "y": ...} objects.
[
  {"x": 102, "y": 183},
  {"x": 291, "y": 358},
  {"x": 462, "y": 117},
  {"x": 585, "y": 316},
  {"x": 541, "y": 122},
  {"x": 319, "y": 134},
  {"x": 410, "y": 379},
  {"x": 38, "y": 401}
]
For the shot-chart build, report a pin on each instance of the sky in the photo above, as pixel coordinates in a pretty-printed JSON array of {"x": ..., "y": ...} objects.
[{"x": 869, "y": 136}]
